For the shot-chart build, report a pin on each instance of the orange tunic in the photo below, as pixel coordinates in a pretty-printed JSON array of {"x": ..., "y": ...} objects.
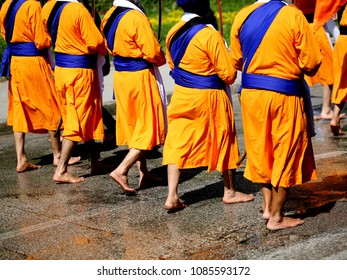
[
  {"x": 324, "y": 74},
  {"x": 339, "y": 93},
  {"x": 78, "y": 88},
  {"x": 32, "y": 105},
  {"x": 140, "y": 120},
  {"x": 201, "y": 121},
  {"x": 279, "y": 150}
]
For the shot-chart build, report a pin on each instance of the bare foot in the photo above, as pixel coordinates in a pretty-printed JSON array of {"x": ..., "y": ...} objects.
[
  {"x": 122, "y": 180},
  {"x": 27, "y": 166},
  {"x": 237, "y": 197},
  {"x": 327, "y": 116},
  {"x": 174, "y": 206},
  {"x": 149, "y": 181},
  {"x": 67, "y": 178},
  {"x": 72, "y": 160},
  {"x": 336, "y": 130},
  {"x": 286, "y": 222},
  {"x": 324, "y": 115}
]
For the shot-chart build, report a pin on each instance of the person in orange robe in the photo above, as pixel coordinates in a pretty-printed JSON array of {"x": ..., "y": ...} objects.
[
  {"x": 140, "y": 102},
  {"x": 77, "y": 45},
  {"x": 277, "y": 139},
  {"x": 324, "y": 75},
  {"x": 339, "y": 94},
  {"x": 201, "y": 128},
  {"x": 32, "y": 100}
]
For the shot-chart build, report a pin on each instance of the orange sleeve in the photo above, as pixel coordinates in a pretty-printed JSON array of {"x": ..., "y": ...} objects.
[
  {"x": 289, "y": 34},
  {"x": 135, "y": 38},
  {"x": 206, "y": 54}
]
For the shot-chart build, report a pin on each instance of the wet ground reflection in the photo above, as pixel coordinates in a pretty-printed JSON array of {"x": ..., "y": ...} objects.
[{"x": 316, "y": 197}]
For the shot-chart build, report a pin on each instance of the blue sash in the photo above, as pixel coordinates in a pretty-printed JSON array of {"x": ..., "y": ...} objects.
[
  {"x": 113, "y": 27},
  {"x": 251, "y": 36},
  {"x": 185, "y": 78},
  {"x": 53, "y": 20},
  {"x": 9, "y": 24},
  {"x": 87, "y": 61},
  {"x": 26, "y": 49},
  {"x": 123, "y": 63},
  {"x": 130, "y": 64}
]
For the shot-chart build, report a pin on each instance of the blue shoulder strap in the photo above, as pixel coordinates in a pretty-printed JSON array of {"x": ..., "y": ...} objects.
[
  {"x": 53, "y": 20},
  {"x": 252, "y": 34},
  {"x": 112, "y": 25},
  {"x": 179, "y": 46},
  {"x": 11, "y": 15}
]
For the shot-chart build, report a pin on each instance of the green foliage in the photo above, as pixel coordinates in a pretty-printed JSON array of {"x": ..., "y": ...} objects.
[
  {"x": 171, "y": 14},
  {"x": 2, "y": 46}
]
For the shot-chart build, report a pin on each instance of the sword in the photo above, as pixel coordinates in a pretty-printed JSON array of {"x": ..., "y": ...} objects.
[
  {"x": 159, "y": 20},
  {"x": 220, "y": 17}
]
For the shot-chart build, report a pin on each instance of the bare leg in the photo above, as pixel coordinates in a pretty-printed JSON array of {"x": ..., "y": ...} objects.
[
  {"x": 96, "y": 167},
  {"x": 327, "y": 112},
  {"x": 173, "y": 202},
  {"x": 335, "y": 121},
  {"x": 277, "y": 220},
  {"x": 56, "y": 149},
  {"x": 267, "y": 195},
  {"x": 230, "y": 193},
  {"x": 143, "y": 170},
  {"x": 22, "y": 161},
  {"x": 61, "y": 174},
  {"x": 146, "y": 179},
  {"x": 120, "y": 174}
]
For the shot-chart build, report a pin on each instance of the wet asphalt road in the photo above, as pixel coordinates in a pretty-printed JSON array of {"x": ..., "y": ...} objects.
[{"x": 40, "y": 219}]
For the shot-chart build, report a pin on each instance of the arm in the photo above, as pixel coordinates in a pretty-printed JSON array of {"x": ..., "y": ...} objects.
[{"x": 147, "y": 42}]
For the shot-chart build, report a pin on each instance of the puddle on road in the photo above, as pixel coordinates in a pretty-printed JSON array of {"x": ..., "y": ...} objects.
[{"x": 318, "y": 196}]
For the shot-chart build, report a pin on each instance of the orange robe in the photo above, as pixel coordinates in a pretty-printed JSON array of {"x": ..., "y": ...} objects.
[
  {"x": 32, "y": 105},
  {"x": 279, "y": 150},
  {"x": 339, "y": 93},
  {"x": 324, "y": 74},
  {"x": 78, "y": 88},
  {"x": 201, "y": 121},
  {"x": 140, "y": 119}
]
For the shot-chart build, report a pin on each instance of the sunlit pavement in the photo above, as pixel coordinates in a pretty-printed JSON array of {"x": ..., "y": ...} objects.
[{"x": 40, "y": 219}]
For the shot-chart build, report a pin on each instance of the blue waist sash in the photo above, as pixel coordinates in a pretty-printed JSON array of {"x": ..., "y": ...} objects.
[
  {"x": 18, "y": 49},
  {"x": 191, "y": 80},
  {"x": 289, "y": 87},
  {"x": 256, "y": 81},
  {"x": 130, "y": 64},
  {"x": 9, "y": 26},
  {"x": 178, "y": 46},
  {"x": 87, "y": 61},
  {"x": 26, "y": 49}
]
